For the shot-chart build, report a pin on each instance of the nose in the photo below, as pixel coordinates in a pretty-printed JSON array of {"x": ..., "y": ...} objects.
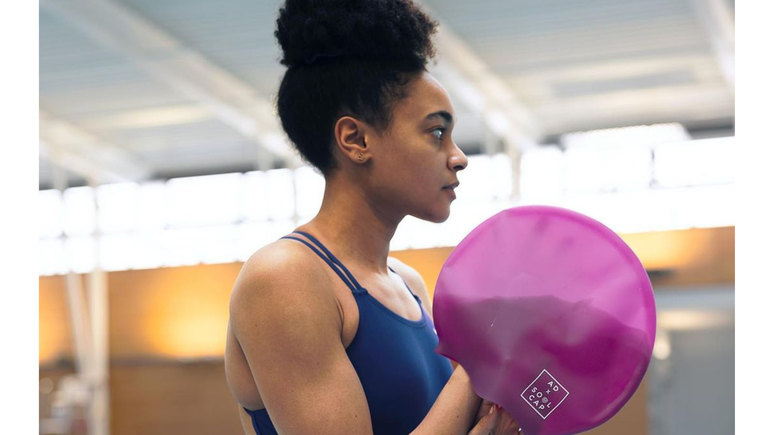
[{"x": 458, "y": 160}]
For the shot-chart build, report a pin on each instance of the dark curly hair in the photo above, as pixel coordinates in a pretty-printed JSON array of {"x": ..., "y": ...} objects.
[{"x": 346, "y": 57}]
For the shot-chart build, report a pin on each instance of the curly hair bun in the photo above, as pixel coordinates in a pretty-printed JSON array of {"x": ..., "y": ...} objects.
[{"x": 310, "y": 31}]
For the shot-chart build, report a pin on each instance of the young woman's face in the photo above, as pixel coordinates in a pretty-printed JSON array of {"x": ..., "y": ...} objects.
[{"x": 415, "y": 159}]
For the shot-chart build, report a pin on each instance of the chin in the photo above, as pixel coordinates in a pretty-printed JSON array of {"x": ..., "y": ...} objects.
[{"x": 434, "y": 216}]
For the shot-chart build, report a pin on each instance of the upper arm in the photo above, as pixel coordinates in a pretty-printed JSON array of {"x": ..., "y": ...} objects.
[
  {"x": 414, "y": 280},
  {"x": 289, "y": 327}
]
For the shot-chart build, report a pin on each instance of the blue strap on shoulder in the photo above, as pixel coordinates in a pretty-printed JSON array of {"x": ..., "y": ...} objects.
[{"x": 327, "y": 260}]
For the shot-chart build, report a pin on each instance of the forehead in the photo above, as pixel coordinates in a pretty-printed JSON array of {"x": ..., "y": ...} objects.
[{"x": 425, "y": 95}]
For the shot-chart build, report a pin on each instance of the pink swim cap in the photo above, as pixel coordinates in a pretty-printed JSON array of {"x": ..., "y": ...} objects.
[{"x": 551, "y": 314}]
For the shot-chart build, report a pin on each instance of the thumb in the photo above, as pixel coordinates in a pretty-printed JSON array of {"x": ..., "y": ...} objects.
[{"x": 486, "y": 425}]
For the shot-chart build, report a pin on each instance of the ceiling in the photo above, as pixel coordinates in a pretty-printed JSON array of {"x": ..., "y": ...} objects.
[{"x": 147, "y": 89}]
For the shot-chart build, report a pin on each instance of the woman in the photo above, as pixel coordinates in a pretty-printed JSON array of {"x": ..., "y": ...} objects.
[{"x": 327, "y": 334}]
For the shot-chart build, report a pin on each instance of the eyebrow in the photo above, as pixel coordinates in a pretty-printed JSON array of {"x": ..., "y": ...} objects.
[{"x": 441, "y": 114}]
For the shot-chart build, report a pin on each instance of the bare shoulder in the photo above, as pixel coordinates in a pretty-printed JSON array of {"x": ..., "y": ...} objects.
[
  {"x": 280, "y": 275},
  {"x": 283, "y": 260},
  {"x": 413, "y": 279},
  {"x": 285, "y": 315}
]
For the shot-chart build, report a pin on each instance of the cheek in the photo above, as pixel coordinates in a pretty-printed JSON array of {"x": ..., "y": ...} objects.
[{"x": 410, "y": 164}]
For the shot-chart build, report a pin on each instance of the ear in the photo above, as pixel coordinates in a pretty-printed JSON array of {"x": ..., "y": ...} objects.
[{"x": 350, "y": 136}]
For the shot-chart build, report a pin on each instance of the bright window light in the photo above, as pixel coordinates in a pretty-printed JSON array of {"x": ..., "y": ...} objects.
[
  {"x": 255, "y": 235},
  {"x": 117, "y": 207},
  {"x": 475, "y": 180},
  {"x": 413, "y": 233},
  {"x": 254, "y": 202},
  {"x": 401, "y": 240},
  {"x": 80, "y": 213},
  {"x": 696, "y": 162},
  {"x": 181, "y": 247},
  {"x": 502, "y": 176},
  {"x": 623, "y": 212},
  {"x": 49, "y": 214},
  {"x": 542, "y": 173},
  {"x": 658, "y": 209},
  {"x": 672, "y": 210},
  {"x": 608, "y": 169},
  {"x": 81, "y": 254},
  {"x": 219, "y": 244},
  {"x": 281, "y": 189},
  {"x": 118, "y": 251},
  {"x": 150, "y": 206},
  {"x": 51, "y": 257},
  {"x": 269, "y": 195},
  {"x": 464, "y": 217},
  {"x": 252, "y": 237},
  {"x": 646, "y": 135},
  {"x": 205, "y": 200},
  {"x": 148, "y": 250},
  {"x": 710, "y": 206},
  {"x": 310, "y": 188}
]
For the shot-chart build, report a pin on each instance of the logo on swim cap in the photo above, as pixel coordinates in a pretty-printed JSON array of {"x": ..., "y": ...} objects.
[{"x": 545, "y": 394}]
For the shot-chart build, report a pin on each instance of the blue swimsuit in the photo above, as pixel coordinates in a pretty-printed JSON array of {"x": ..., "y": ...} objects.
[{"x": 394, "y": 358}]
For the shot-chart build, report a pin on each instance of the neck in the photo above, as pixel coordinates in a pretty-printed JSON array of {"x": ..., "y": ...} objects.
[{"x": 355, "y": 229}]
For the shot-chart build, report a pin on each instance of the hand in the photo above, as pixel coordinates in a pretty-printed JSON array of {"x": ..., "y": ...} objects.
[
  {"x": 494, "y": 420},
  {"x": 483, "y": 410}
]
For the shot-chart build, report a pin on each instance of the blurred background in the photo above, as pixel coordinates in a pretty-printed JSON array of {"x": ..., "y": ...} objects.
[{"x": 163, "y": 168}]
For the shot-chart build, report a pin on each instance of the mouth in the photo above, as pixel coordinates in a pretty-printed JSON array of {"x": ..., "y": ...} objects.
[{"x": 452, "y": 186}]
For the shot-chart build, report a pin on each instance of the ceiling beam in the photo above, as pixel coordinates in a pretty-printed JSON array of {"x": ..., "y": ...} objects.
[
  {"x": 79, "y": 151},
  {"x": 483, "y": 91},
  {"x": 167, "y": 59},
  {"x": 472, "y": 80}
]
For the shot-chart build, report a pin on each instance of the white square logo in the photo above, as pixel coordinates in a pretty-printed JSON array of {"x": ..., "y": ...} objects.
[{"x": 545, "y": 394}]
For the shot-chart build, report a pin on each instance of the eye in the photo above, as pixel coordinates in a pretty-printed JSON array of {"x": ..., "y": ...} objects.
[{"x": 442, "y": 130}]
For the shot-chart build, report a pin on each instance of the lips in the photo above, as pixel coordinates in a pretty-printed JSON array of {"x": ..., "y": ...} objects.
[{"x": 452, "y": 186}]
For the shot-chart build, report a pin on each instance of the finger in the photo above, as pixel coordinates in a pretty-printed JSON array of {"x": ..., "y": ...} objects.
[
  {"x": 507, "y": 424},
  {"x": 486, "y": 406},
  {"x": 487, "y": 425}
]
